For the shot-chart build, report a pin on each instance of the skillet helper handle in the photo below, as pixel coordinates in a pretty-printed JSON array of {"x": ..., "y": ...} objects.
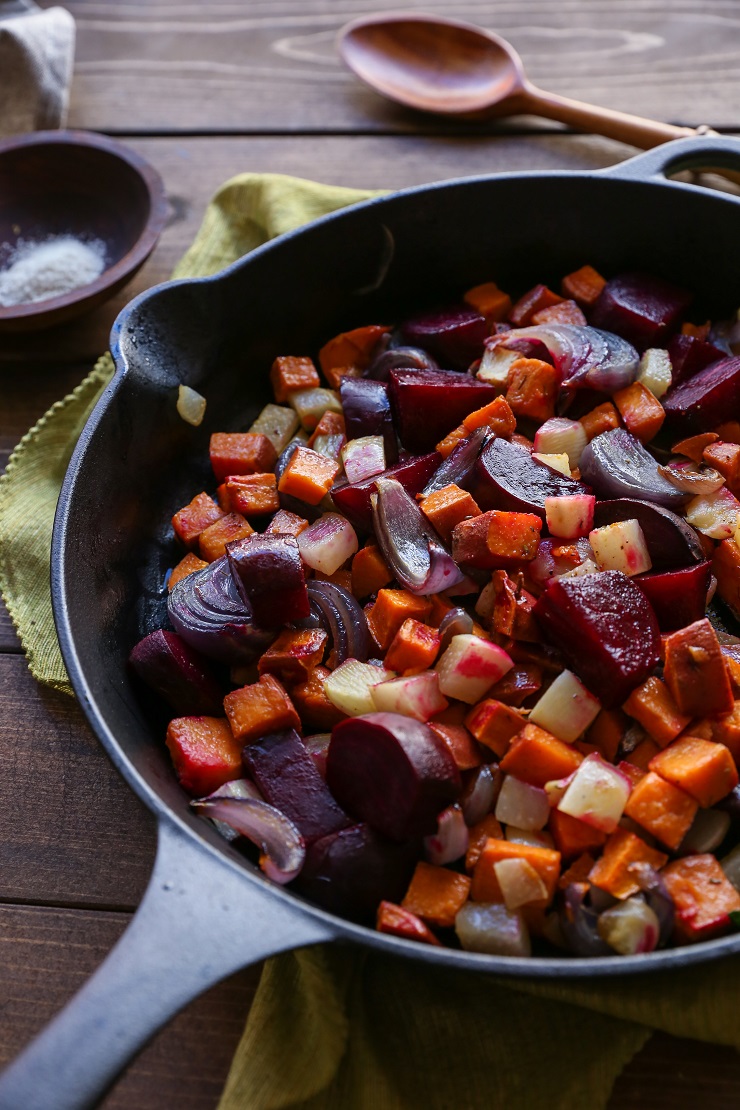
[
  {"x": 199, "y": 921},
  {"x": 709, "y": 152}
]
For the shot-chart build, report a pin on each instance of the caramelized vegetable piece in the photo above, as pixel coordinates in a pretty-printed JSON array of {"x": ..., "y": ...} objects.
[
  {"x": 413, "y": 649},
  {"x": 460, "y": 744},
  {"x": 538, "y": 757},
  {"x": 294, "y": 654},
  {"x": 389, "y": 612},
  {"x": 653, "y": 706},
  {"x": 350, "y": 350},
  {"x": 308, "y": 476},
  {"x": 489, "y": 301},
  {"x": 353, "y": 499},
  {"x": 454, "y": 335},
  {"x": 583, "y": 285},
  {"x": 269, "y": 573},
  {"x": 428, "y": 403},
  {"x": 695, "y": 672},
  {"x": 287, "y": 524},
  {"x": 607, "y": 731},
  {"x": 286, "y": 774},
  {"x": 567, "y": 312},
  {"x": 312, "y": 703},
  {"x": 641, "y": 412},
  {"x": 703, "y": 897},
  {"x": 204, "y": 752},
  {"x": 213, "y": 539},
  {"x": 678, "y": 597},
  {"x": 178, "y": 673},
  {"x": 601, "y": 419},
  {"x": 399, "y": 922},
  {"x": 497, "y": 416},
  {"x": 194, "y": 518},
  {"x": 532, "y": 301},
  {"x": 701, "y": 768},
  {"x": 705, "y": 399},
  {"x": 494, "y": 724},
  {"x": 605, "y": 628},
  {"x": 532, "y": 388},
  {"x": 436, "y": 894},
  {"x": 486, "y": 887},
  {"x": 496, "y": 539},
  {"x": 187, "y": 565},
  {"x": 241, "y": 453},
  {"x": 448, "y": 507},
  {"x": 662, "y": 809},
  {"x": 726, "y": 569},
  {"x": 512, "y": 480},
  {"x": 574, "y": 837},
  {"x": 612, "y": 872},
  {"x": 251, "y": 494},
  {"x": 670, "y": 540},
  {"x": 289, "y": 373},
  {"x": 369, "y": 571},
  {"x": 260, "y": 708}
]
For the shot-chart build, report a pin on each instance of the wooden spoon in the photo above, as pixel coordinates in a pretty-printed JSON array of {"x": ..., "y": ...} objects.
[{"x": 456, "y": 69}]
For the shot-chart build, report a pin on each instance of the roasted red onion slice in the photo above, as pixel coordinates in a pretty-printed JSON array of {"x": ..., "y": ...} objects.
[
  {"x": 340, "y": 614},
  {"x": 459, "y": 465},
  {"x": 578, "y": 923},
  {"x": 397, "y": 358},
  {"x": 616, "y": 464},
  {"x": 480, "y": 793},
  {"x": 585, "y": 357},
  {"x": 281, "y": 845},
  {"x": 413, "y": 551},
  {"x": 205, "y": 608},
  {"x": 692, "y": 479},
  {"x": 456, "y": 622},
  {"x": 657, "y": 897},
  {"x": 235, "y": 788}
]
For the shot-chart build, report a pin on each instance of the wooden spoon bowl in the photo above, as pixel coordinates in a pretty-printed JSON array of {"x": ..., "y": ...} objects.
[{"x": 82, "y": 184}]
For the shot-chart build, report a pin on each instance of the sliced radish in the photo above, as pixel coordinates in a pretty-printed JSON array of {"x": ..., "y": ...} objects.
[
  {"x": 561, "y": 436},
  {"x": 621, "y": 546},
  {"x": 570, "y": 516},
  {"x": 450, "y": 842},
  {"x": 522, "y": 805},
  {"x": 597, "y": 794},
  {"x": 349, "y": 687},
  {"x": 629, "y": 927},
  {"x": 414, "y": 695},
  {"x": 470, "y": 666},
  {"x": 566, "y": 709},
  {"x": 328, "y": 543}
]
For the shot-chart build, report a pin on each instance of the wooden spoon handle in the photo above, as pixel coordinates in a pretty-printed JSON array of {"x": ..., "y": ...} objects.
[{"x": 643, "y": 133}]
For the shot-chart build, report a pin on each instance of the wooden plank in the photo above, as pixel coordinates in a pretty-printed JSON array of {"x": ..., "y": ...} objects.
[
  {"x": 71, "y": 830},
  {"x": 46, "y": 955},
  {"x": 272, "y": 67}
]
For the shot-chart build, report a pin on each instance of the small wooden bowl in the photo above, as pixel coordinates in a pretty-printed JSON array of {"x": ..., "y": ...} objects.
[{"x": 83, "y": 184}]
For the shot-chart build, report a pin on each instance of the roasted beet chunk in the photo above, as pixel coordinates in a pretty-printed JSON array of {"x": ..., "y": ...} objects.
[
  {"x": 642, "y": 308},
  {"x": 367, "y": 412},
  {"x": 351, "y": 871},
  {"x": 606, "y": 629},
  {"x": 518, "y": 483},
  {"x": 392, "y": 772},
  {"x": 428, "y": 404},
  {"x": 679, "y": 597},
  {"x": 704, "y": 401},
  {"x": 178, "y": 674},
  {"x": 352, "y": 499},
  {"x": 269, "y": 574},
  {"x": 455, "y": 336},
  {"x": 287, "y": 776}
]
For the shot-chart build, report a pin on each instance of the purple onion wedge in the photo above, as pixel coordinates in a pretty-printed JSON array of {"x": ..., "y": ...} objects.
[
  {"x": 281, "y": 845},
  {"x": 398, "y": 358},
  {"x": 585, "y": 358},
  {"x": 410, "y": 546},
  {"x": 338, "y": 612},
  {"x": 578, "y": 923},
  {"x": 207, "y": 611},
  {"x": 459, "y": 466},
  {"x": 617, "y": 465}
]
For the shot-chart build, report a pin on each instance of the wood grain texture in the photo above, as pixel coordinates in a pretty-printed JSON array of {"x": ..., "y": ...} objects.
[{"x": 271, "y": 65}]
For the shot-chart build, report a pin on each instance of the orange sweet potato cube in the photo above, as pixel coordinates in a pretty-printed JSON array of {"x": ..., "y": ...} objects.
[
  {"x": 311, "y": 702},
  {"x": 447, "y": 445},
  {"x": 661, "y": 809},
  {"x": 601, "y": 419},
  {"x": 573, "y": 837},
  {"x": 545, "y": 861},
  {"x": 703, "y": 768},
  {"x": 413, "y": 649},
  {"x": 286, "y": 524},
  {"x": 252, "y": 494},
  {"x": 489, "y": 300},
  {"x": 640, "y": 410},
  {"x": 213, "y": 539},
  {"x": 391, "y": 609},
  {"x": 584, "y": 286},
  {"x": 350, "y": 349},
  {"x": 725, "y": 457},
  {"x": 261, "y": 708},
  {"x": 695, "y": 672},
  {"x": 399, "y": 922},
  {"x": 726, "y": 730},
  {"x": 308, "y": 476},
  {"x": 188, "y": 565},
  {"x": 538, "y": 757},
  {"x": 652, "y": 705},
  {"x": 494, "y": 724},
  {"x": 241, "y": 453},
  {"x": 496, "y": 415},
  {"x": 703, "y": 898},
  {"x": 204, "y": 752},
  {"x": 489, "y": 828},
  {"x": 447, "y": 507},
  {"x": 330, "y": 424},
  {"x": 192, "y": 519},
  {"x": 693, "y": 446},
  {"x": 461, "y": 745},
  {"x": 612, "y": 873},
  {"x": 532, "y": 388},
  {"x": 513, "y": 535},
  {"x": 436, "y": 894},
  {"x": 289, "y": 373},
  {"x": 369, "y": 571},
  {"x": 607, "y": 731},
  {"x": 294, "y": 654},
  {"x": 578, "y": 871}
]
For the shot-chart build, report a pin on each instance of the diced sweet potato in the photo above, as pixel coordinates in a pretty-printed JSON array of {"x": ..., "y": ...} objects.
[
  {"x": 652, "y": 705},
  {"x": 695, "y": 672},
  {"x": 601, "y": 419},
  {"x": 213, "y": 539},
  {"x": 399, "y": 922},
  {"x": 532, "y": 388},
  {"x": 496, "y": 539},
  {"x": 188, "y": 565},
  {"x": 578, "y": 871},
  {"x": 436, "y": 894},
  {"x": 612, "y": 873},
  {"x": 538, "y": 757},
  {"x": 350, "y": 349},
  {"x": 532, "y": 301},
  {"x": 192, "y": 519},
  {"x": 693, "y": 447},
  {"x": 607, "y": 731},
  {"x": 573, "y": 837},
  {"x": 447, "y": 445},
  {"x": 286, "y": 524},
  {"x": 260, "y": 708},
  {"x": 289, "y": 373},
  {"x": 369, "y": 571},
  {"x": 703, "y": 898},
  {"x": 545, "y": 861},
  {"x": 241, "y": 453},
  {"x": 703, "y": 768},
  {"x": 496, "y": 415},
  {"x": 489, "y": 300},
  {"x": 312, "y": 703},
  {"x": 641, "y": 755},
  {"x": 726, "y": 569},
  {"x": 308, "y": 476},
  {"x": 662, "y": 809},
  {"x": 390, "y": 610},
  {"x": 487, "y": 829},
  {"x": 460, "y": 744},
  {"x": 583, "y": 285},
  {"x": 294, "y": 654},
  {"x": 494, "y": 724},
  {"x": 640, "y": 410},
  {"x": 725, "y": 457},
  {"x": 252, "y": 494},
  {"x": 413, "y": 649},
  {"x": 448, "y": 507},
  {"x": 726, "y": 730},
  {"x": 204, "y": 752}
]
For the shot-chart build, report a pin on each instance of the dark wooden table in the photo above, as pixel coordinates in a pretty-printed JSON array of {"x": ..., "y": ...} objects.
[{"x": 205, "y": 91}]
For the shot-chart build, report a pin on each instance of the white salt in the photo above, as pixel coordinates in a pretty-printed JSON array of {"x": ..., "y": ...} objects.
[{"x": 48, "y": 268}]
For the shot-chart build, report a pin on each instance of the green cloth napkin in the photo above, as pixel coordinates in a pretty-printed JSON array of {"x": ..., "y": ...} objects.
[{"x": 340, "y": 1028}]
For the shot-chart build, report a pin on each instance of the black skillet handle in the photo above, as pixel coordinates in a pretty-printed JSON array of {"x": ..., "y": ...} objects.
[
  {"x": 199, "y": 921},
  {"x": 711, "y": 153}
]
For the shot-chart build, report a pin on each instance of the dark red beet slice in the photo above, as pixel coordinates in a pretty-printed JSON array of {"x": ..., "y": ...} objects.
[
  {"x": 367, "y": 412},
  {"x": 606, "y": 629},
  {"x": 670, "y": 540},
  {"x": 706, "y": 400},
  {"x": 518, "y": 483},
  {"x": 689, "y": 355},
  {"x": 350, "y": 872},
  {"x": 679, "y": 597},
  {"x": 179, "y": 674},
  {"x": 353, "y": 499},
  {"x": 288, "y": 778},
  {"x": 428, "y": 404},
  {"x": 392, "y": 772},
  {"x": 642, "y": 308},
  {"x": 455, "y": 335},
  {"x": 269, "y": 573}
]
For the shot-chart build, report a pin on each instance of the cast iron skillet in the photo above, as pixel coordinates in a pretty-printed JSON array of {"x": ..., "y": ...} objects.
[{"x": 207, "y": 912}]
